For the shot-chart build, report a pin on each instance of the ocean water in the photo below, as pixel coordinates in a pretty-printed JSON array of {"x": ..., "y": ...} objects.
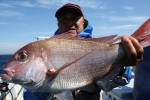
[{"x": 3, "y": 60}]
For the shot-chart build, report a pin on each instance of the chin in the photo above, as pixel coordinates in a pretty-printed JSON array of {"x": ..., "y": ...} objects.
[{"x": 74, "y": 33}]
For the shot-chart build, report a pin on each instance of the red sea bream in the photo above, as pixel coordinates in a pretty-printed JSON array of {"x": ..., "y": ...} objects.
[{"x": 63, "y": 62}]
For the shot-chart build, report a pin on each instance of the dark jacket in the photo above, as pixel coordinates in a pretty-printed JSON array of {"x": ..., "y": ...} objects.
[{"x": 142, "y": 78}]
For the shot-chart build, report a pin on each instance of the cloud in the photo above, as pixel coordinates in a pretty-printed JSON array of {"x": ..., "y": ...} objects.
[
  {"x": 95, "y": 4},
  {"x": 18, "y": 3},
  {"x": 38, "y": 34},
  {"x": 8, "y": 13},
  {"x": 10, "y": 48},
  {"x": 112, "y": 12},
  {"x": 128, "y": 26},
  {"x": 120, "y": 30},
  {"x": 6, "y": 5},
  {"x": 120, "y": 27},
  {"x": 128, "y": 8},
  {"x": 3, "y": 23},
  {"x": 84, "y": 3},
  {"x": 20, "y": 24},
  {"x": 118, "y": 18},
  {"x": 25, "y": 4},
  {"x": 129, "y": 18}
]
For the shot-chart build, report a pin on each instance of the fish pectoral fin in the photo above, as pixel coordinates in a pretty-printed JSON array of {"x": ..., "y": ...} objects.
[
  {"x": 70, "y": 63},
  {"x": 66, "y": 95},
  {"x": 51, "y": 73}
]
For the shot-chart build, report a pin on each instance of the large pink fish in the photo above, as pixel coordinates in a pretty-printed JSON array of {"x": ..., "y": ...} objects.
[{"x": 64, "y": 62}]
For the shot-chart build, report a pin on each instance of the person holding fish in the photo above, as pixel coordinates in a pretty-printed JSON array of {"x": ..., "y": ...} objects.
[
  {"x": 71, "y": 20},
  {"x": 72, "y": 60}
]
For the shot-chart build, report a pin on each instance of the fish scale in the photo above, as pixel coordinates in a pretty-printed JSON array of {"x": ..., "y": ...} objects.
[{"x": 83, "y": 70}]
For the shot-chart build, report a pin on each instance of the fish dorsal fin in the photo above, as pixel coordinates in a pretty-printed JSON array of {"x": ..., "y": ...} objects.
[
  {"x": 66, "y": 36},
  {"x": 106, "y": 39},
  {"x": 69, "y": 36}
]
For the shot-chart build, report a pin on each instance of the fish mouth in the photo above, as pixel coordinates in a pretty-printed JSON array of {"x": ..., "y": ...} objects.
[{"x": 5, "y": 77}]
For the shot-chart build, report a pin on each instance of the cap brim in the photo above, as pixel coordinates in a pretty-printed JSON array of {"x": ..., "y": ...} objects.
[{"x": 67, "y": 7}]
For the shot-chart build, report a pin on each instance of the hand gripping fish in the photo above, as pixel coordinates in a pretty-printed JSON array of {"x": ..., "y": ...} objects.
[{"x": 63, "y": 62}]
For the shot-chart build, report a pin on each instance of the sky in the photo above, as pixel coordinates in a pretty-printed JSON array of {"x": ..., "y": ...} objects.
[{"x": 21, "y": 21}]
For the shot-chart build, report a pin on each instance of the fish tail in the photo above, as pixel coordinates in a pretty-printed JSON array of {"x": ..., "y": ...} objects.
[{"x": 142, "y": 34}]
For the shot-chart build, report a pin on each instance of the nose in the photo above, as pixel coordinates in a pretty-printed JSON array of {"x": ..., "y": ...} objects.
[{"x": 70, "y": 23}]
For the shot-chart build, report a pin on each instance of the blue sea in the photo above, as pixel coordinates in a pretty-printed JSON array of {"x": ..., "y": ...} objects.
[{"x": 3, "y": 60}]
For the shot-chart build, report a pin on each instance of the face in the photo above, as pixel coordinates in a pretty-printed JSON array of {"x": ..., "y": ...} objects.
[{"x": 71, "y": 22}]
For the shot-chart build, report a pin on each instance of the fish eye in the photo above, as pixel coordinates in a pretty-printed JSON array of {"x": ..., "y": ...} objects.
[{"x": 22, "y": 56}]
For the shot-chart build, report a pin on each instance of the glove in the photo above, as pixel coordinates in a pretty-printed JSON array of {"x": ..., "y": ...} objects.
[{"x": 120, "y": 80}]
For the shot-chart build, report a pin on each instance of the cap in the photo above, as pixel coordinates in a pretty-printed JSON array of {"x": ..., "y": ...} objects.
[{"x": 68, "y": 6}]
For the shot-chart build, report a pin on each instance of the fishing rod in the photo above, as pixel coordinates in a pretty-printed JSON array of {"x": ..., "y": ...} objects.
[{"x": 4, "y": 88}]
